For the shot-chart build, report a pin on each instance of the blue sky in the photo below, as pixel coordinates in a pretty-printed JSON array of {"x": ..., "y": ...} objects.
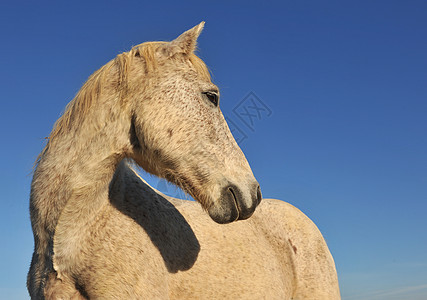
[{"x": 345, "y": 141}]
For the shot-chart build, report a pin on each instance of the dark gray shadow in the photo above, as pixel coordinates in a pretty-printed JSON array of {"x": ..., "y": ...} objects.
[{"x": 164, "y": 224}]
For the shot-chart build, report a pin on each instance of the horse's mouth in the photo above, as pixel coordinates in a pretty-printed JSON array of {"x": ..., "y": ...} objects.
[
  {"x": 233, "y": 205},
  {"x": 236, "y": 203}
]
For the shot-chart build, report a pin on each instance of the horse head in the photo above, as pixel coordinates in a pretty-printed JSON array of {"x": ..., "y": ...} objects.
[{"x": 178, "y": 131}]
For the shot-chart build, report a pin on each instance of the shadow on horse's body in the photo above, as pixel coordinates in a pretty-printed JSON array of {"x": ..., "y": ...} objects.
[{"x": 166, "y": 227}]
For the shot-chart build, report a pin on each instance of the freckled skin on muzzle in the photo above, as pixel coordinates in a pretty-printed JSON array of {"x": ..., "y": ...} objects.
[{"x": 233, "y": 206}]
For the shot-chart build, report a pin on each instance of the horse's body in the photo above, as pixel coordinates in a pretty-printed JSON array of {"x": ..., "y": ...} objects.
[
  {"x": 102, "y": 233},
  {"x": 145, "y": 245}
]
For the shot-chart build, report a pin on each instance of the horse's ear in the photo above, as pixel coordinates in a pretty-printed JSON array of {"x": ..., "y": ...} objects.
[{"x": 186, "y": 42}]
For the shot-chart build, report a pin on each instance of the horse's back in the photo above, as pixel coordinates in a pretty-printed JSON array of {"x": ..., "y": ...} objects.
[
  {"x": 278, "y": 239},
  {"x": 314, "y": 265}
]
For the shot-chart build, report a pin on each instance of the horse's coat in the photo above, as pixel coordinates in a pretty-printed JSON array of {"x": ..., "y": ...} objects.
[{"x": 102, "y": 233}]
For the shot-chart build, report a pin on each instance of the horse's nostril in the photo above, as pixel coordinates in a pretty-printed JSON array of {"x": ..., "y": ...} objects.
[{"x": 258, "y": 195}]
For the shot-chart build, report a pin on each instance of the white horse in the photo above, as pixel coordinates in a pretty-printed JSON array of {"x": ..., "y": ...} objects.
[{"x": 101, "y": 232}]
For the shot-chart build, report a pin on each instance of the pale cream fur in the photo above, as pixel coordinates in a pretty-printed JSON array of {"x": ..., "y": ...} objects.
[{"x": 102, "y": 233}]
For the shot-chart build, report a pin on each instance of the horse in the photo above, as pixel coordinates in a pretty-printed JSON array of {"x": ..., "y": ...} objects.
[{"x": 101, "y": 232}]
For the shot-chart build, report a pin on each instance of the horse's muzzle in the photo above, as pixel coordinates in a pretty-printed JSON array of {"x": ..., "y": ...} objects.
[{"x": 235, "y": 205}]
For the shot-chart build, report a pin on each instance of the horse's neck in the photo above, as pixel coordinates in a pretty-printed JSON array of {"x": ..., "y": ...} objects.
[
  {"x": 71, "y": 181},
  {"x": 80, "y": 211}
]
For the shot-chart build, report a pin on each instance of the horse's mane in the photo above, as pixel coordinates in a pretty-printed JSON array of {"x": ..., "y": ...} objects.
[{"x": 77, "y": 109}]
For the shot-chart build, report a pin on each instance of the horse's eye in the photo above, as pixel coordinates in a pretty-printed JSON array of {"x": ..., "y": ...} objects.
[{"x": 212, "y": 96}]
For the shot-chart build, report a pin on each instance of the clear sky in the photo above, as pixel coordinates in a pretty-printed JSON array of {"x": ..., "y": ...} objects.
[{"x": 342, "y": 135}]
